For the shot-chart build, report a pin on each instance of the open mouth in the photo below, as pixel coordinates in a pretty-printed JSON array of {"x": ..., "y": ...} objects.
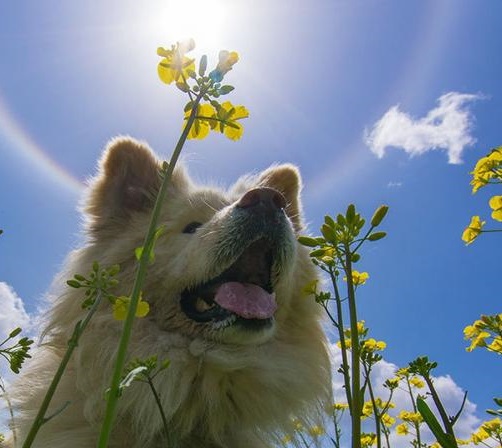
[{"x": 242, "y": 294}]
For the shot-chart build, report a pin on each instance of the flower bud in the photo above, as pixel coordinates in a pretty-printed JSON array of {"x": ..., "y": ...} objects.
[{"x": 379, "y": 215}]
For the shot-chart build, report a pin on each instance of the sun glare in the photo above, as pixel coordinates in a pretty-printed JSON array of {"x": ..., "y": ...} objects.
[{"x": 201, "y": 20}]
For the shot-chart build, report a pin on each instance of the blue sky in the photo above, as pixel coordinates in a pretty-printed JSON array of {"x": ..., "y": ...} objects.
[{"x": 316, "y": 77}]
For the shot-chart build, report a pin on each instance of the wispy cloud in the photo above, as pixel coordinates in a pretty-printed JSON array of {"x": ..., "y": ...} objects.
[
  {"x": 12, "y": 312},
  {"x": 447, "y": 127}
]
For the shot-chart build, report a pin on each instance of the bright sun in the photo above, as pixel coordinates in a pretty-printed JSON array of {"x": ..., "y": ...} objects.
[{"x": 202, "y": 20}]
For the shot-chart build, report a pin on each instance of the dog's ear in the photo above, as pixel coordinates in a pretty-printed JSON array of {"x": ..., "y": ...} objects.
[
  {"x": 127, "y": 182},
  {"x": 286, "y": 179}
]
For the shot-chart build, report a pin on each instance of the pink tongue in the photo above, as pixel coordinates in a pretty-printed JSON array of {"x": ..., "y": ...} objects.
[{"x": 245, "y": 299}]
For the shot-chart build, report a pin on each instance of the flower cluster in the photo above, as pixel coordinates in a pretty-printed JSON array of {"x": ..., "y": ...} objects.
[
  {"x": 491, "y": 429},
  {"x": 176, "y": 67},
  {"x": 488, "y": 170},
  {"x": 485, "y": 332}
]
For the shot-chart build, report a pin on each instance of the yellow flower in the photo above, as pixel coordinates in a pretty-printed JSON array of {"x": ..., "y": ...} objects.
[
  {"x": 403, "y": 372},
  {"x": 340, "y": 406},
  {"x": 473, "y": 230},
  {"x": 175, "y": 66},
  {"x": 402, "y": 429},
  {"x": 298, "y": 425},
  {"x": 496, "y": 345},
  {"x": 347, "y": 345},
  {"x": 411, "y": 417},
  {"x": 121, "y": 306},
  {"x": 316, "y": 431},
  {"x": 486, "y": 169},
  {"x": 496, "y": 205},
  {"x": 372, "y": 345},
  {"x": 202, "y": 124},
  {"x": 478, "y": 341},
  {"x": 368, "y": 439},
  {"x": 226, "y": 61},
  {"x": 226, "y": 121},
  {"x": 393, "y": 382},
  {"x": 479, "y": 436},
  {"x": 417, "y": 382},
  {"x": 367, "y": 409},
  {"x": 358, "y": 278},
  {"x": 387, "y": 420},
  {"x": 470, "y": 331},
  {"x": 491, "y": 426},
  {"x": 286, "y": 439},
  {"x": 310, "y": 288}
]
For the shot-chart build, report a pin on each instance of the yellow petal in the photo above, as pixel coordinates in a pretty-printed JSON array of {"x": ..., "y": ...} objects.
[
  {"x": 234, "y": 133},
  {"x": 143, "y": 309},
  {"x": 166, "y": 74}
]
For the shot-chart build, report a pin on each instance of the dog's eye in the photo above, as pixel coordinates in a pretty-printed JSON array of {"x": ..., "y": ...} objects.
[{"x": 192, "y": 227}]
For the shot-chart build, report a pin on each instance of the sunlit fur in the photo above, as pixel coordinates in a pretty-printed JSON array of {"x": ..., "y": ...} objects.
[{"x": 224, "y": 388}]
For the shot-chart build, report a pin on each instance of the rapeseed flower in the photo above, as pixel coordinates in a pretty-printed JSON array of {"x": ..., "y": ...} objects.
[
  {"x": 202, "y": 124},
  {"x": 473, "y": 230},
  {"x": 227, "y": 59},
  {"x": 358, "y": 278},
  {"x": 486, "y": 169},
  {"x": 175, "y": 66},
  {"x": 417, "y": 382},
  {"x": 496, "y": 205},
  {"x": 226, "y": 120},
  {"x": 368, "y": 439},
  {"x": 402, "y": 429},
  {"x": 372, "y": 345},
  {"x": 121, "y": 307}
]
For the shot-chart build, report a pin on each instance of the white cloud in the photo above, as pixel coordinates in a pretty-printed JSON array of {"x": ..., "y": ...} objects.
[
  {"x": 451, "y": 395},
  {"x": 447, "y": 127},
  {"x": 12, "y": 312}
]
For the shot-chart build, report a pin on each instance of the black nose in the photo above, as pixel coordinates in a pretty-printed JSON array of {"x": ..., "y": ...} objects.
[{"x": 264, "y": 196}]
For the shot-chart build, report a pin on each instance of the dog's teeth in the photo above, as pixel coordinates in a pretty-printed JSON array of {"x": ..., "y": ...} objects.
[{"x": 202, "y": 306}]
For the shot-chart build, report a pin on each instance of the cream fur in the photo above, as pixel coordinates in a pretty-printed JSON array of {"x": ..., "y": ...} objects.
[{"x": 228, "y": 389}]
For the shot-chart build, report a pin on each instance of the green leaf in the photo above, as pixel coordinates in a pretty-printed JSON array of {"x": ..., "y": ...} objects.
[
  {"x": 376, "y": 236},
  {"x": 318, "y": 252},
  {"x": 15, "y": 332},
  {"x": 183, "y": 87},
  {"x": 444, "y": 439},
  {"x": 351, "y": 213},
  {"x": 224, "y": 90},
  {"x": 202, "y": 65},
  {"x": 188, "y": 106},
  {"x": 329, "y": 221},
  {"x": 328, "y": 233},
  {"x": 379, "y": 215},
  {"x": 74, "y": 283},
  {"x": 308, "y": 241}
]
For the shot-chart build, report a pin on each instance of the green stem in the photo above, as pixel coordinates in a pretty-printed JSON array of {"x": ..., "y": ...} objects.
[
  {"x": 162, "y": 414},
  {"x": 114, "y": 391},
  {"x": 437, "y": 401},
  {"x": 355, "y": 367},
  {"x": 40, "y": 418},
  {"x": 415, "y": 410},
  {"x": 341, "y": 335},
  {"x": 378, "y": 416}
]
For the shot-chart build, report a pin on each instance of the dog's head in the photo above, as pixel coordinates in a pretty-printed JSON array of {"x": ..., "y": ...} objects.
[{"x": 227, "y": 266}]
